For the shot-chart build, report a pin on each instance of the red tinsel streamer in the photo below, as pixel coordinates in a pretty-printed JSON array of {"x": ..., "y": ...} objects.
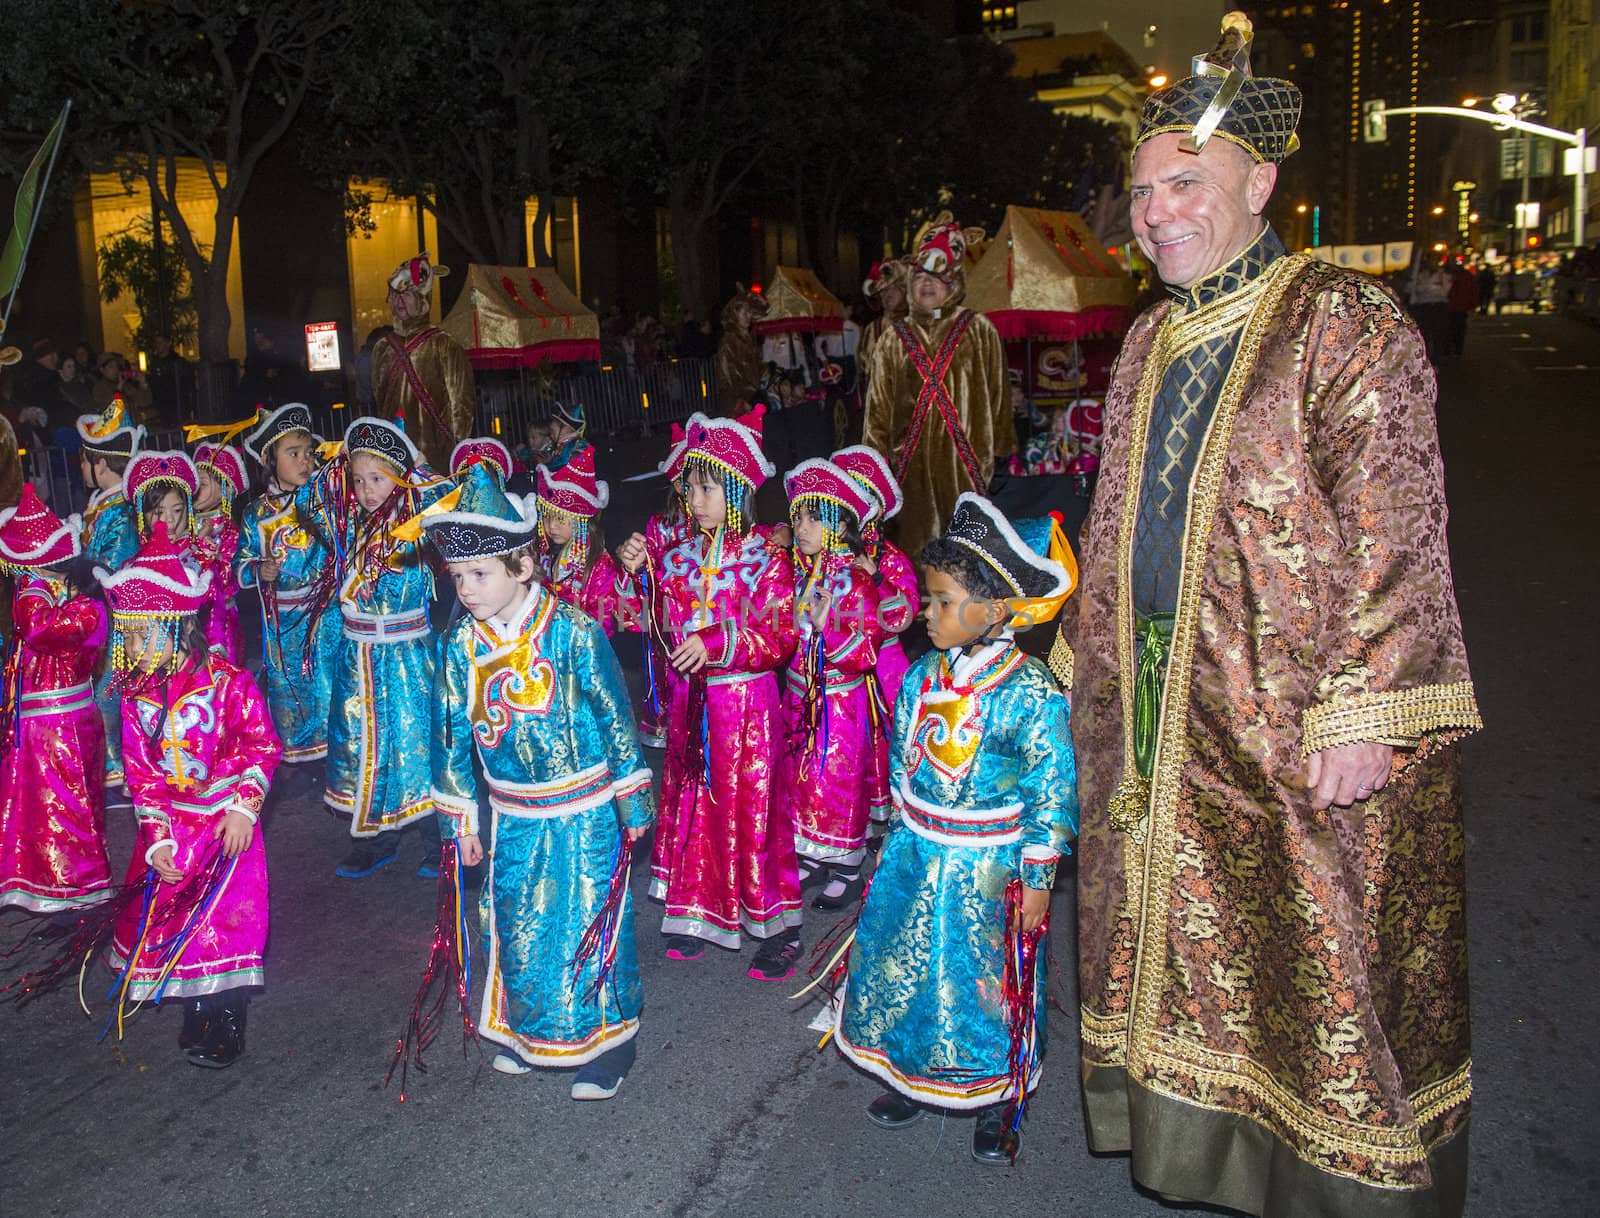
[
  {"x": 445, "y": 955},
  {"x": 1017, "y": 994},
  {"x": 599, "y": 939}
]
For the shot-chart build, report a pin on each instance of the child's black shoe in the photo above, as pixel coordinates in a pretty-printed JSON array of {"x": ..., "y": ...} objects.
[
  {"x": 891, "y": 1110},
  {"x": 993, "y": 1139}
]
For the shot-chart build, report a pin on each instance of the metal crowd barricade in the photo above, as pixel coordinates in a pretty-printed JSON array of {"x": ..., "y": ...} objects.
[
  {"x": 53, "y": 470},
  {"x": 619, "y": 399}
]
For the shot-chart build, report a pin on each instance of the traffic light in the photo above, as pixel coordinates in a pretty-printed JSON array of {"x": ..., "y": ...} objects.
[{"x": 1533, "y": 241}]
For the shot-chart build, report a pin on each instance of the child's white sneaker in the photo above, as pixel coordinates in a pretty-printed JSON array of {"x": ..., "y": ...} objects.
[{"x": 510, "y": 1063}]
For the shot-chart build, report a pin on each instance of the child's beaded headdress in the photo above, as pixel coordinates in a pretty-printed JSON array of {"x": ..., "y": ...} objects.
[
  {"x": 32, "y": 537},
  {"x": 155, "y": 589},
  {"x": 731, "y": 450},
  {"x": 151, "y": 469},
  {"x": 483, "y": 450},
  {"x": 227, "y": 464}
]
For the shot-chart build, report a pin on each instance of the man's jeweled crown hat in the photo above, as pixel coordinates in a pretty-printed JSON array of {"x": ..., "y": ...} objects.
[
  {"x": 155, "y": 583},
  {"x": 732, "y": 444},
  {"x": 1031, "y": 557},
  {"x": 154, "y": 468},
  {"x": 381, "y": 438},
  {"x": 573, "y": 490},
  {"x": 485, "y": 522},
  {"x": 292, "y": 416},
  {"x": 226, "y": 462},
  {"x": 1222, "y": 99},
  {"x": 867, "y": 466},
  {"x": 815, "y": 478},
  {"x": 482, "y": 450},
  {"x": 109, "y": 434},
  {"x": 33, "y": 536}
]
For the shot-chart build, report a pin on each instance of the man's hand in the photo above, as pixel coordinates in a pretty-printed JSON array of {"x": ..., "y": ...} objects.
[
  {"x": 1347, "y": 773},
  {"x": 469, "y": 849},
  {"x": 631, "y": 554},
  {"x": 1035, "y": 904},
  {"x": 690, "y": 656}
]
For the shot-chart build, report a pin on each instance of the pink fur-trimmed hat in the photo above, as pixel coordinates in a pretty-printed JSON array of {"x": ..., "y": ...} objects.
[
  {"x": 33, "y": 536},
  {"x": 819, "y": 479},
  {"x": 227, "y": 462},
  {"x": 573, "y": 490},
  {"x": 482, "y": 450},
  {"x": 866, "y": 465},
  {"x": 672, "y": 467},
  {"x": 733, "y": 444},
  {"x": 153, "y": 468},
  {"x": 155, "y": 583}
]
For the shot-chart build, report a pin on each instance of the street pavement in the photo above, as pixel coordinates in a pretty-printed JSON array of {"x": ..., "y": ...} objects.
[{"x": 732, "y": 1109}]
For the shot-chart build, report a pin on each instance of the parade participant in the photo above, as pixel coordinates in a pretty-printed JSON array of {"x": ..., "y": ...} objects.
[
  {"x": 1269, "y": 681},
  {"x": 884, "y": 289},
  {"x": 1050, "y": 451},
  {"x": 569, "y": 427},
  {"x": 200, "y": 752},
  {"x": 899, "y": 599},
  {"x": 535, "y": 686},
  {"x": 938, "y": 405},
  {"x": 294, "y": 572},
  {"x": 827, "y": 716},
  {"x": 662, "y": 531},
  {"x": 571, "y": 541},
  {"x": 946, "y": 990},
  {"x": 52, "y": 740},
  {"x": 107, "y": 442},
  {"x": 487, "y": 452},
  {"x": 383, "y": 679},
  {"x": 724, "y": 862},
  {"x": 162, "y": 487},
  {"x": 216, "y": 540},
  {"x": 420, "y": 375},
  {"x": 738, "y": 363}
]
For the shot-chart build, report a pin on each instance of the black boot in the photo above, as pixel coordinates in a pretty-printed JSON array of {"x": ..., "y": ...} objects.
[
  {"x": 891, "y": 1110},
  {"x": 193, "y": 1032},
  {"x": 224, "y": 1043},
  {"x": 993, "y": 1140}
]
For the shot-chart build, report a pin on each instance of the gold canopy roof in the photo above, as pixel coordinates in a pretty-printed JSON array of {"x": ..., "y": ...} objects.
[
  {"x": 521, "y": 316},
  {"x": 1042, "y": 268},
  {"x": 797, "y": 301}
]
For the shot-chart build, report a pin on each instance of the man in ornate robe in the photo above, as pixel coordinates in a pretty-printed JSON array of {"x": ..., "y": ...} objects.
[
  {"x": 938, "y": 402},
  {"x": 1269, "y": 683},
  {"x": 738, "y": 363},
  {"x": 419, "y": 373}
]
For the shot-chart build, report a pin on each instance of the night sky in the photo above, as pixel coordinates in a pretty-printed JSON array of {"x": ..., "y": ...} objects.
[{"x": 1183, "y": 27}]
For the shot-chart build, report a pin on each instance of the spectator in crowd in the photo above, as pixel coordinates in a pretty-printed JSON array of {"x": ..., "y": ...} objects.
[
  {"x": 365, "y": 398},
  {"x": 1486, "y": 279},
  {"x": 117, "y": 376},
  {"x": 74, "y": 389},
  {"x": 699, "y": 340},
  {"x": 35, "y": 378},
  {"x": 1429, "y": 293},
  {"x": 172, "y": 386},
  {"x": 1462, "y": 300}
]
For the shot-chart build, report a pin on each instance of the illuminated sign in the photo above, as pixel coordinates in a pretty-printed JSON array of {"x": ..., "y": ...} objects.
[{"x": 322, "y": 346}]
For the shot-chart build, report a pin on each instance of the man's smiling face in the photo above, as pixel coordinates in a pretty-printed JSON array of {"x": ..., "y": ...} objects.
[{"x": 1193, "y": 214}]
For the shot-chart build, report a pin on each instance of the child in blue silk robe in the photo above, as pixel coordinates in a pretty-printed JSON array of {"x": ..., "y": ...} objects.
[
  {"x": 985, "y": 793},
  {"x": 532, "y": 686}
]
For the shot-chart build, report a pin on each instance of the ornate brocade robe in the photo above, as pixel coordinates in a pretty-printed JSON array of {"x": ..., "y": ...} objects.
[{"x": 1275, "y": 999}]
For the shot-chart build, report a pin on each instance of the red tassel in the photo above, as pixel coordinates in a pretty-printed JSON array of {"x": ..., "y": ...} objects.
[
  {"x": 1017, "y": 994},
  {"x": 450, "y": 959}
]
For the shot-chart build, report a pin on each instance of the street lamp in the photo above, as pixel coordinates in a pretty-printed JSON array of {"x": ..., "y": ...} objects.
[
  {"x": 1438, "y": 209},
  {"x": 1502, "y": 120}
]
